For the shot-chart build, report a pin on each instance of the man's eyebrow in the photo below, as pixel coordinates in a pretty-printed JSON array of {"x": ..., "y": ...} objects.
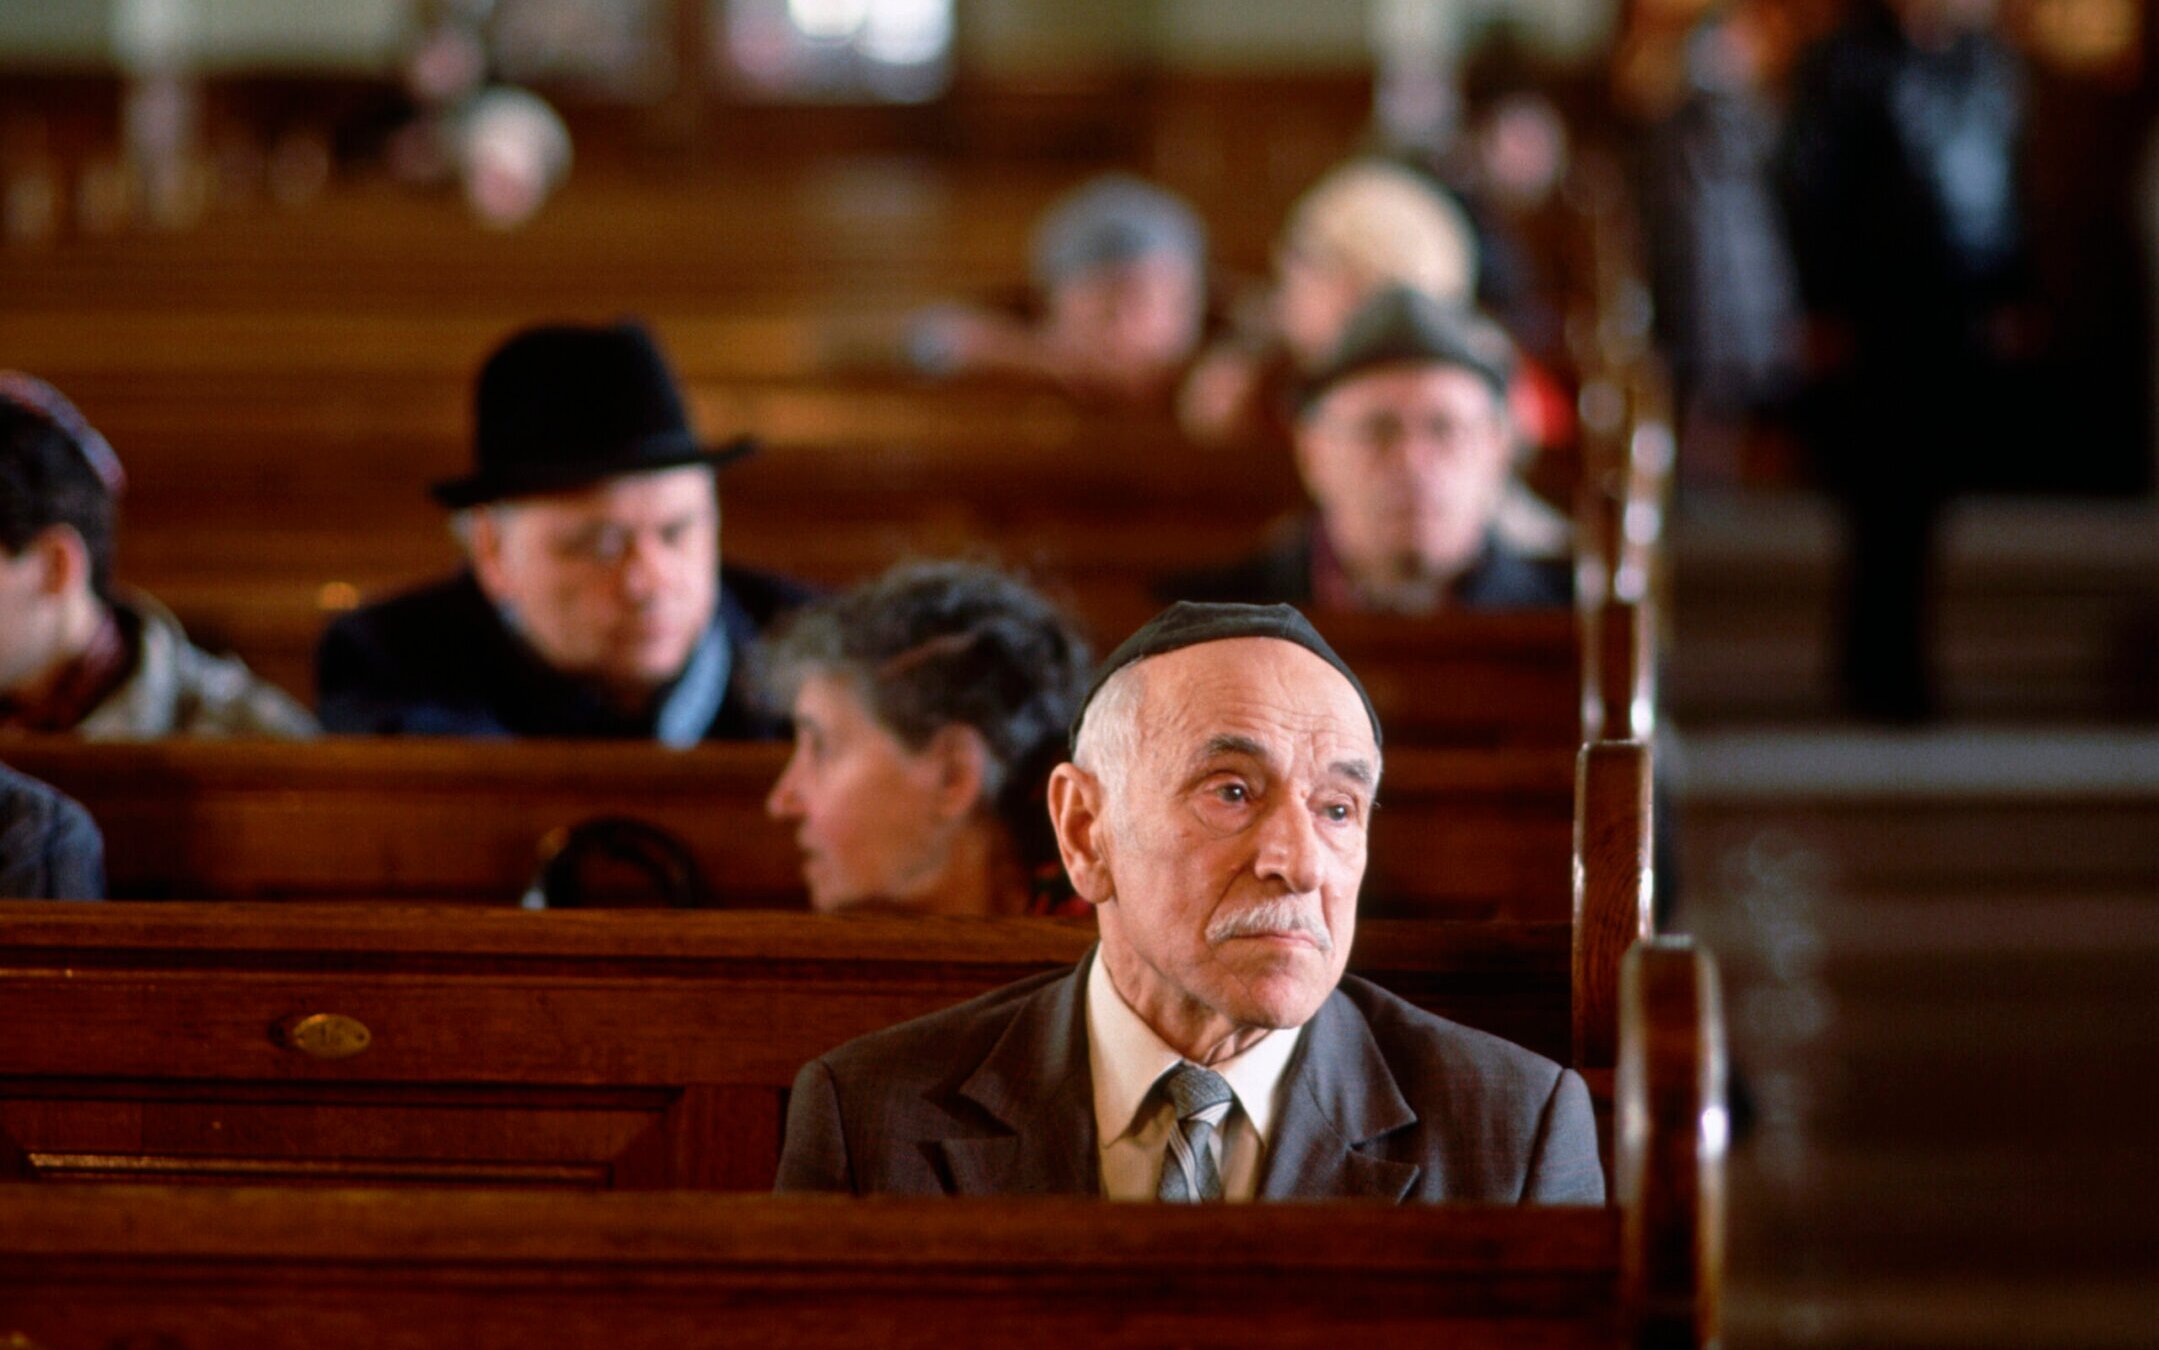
[
  {"x": 1227, "y": 744},
  {"x": 1355, "y": 770}
]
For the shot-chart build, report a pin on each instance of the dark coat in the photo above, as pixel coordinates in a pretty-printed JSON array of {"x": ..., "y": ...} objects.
[
  {"x": 1384, "y": 1101},
  {"x": 438, "y": 661},
  {"x": 1281, "y": 574},
  {"x": 50, "y": 849}
]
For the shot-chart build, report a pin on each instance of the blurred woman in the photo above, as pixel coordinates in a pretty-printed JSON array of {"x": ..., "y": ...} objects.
[
  {"x": 929, "y": 706},
  {"x": 1367, "y": 226}
]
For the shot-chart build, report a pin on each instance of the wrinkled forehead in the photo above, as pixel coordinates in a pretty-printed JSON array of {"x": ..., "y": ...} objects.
[{"x": 1268, "y": 690}]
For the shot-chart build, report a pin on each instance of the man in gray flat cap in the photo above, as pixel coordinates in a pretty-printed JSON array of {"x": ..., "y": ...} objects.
[
  {"x": 1406, "y": 449},
  {"x": 1214, "y": 812},
  {"x": 1120, "y": 274}
]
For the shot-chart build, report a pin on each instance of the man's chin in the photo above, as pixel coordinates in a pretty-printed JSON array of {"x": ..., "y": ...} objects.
[{"x": 1283, "y": 982}]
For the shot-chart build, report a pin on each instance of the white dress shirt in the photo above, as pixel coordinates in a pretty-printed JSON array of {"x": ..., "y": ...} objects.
[{"x": 1132, "y": 1127}]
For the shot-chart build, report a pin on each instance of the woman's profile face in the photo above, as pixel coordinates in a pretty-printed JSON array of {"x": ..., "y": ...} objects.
[{"x": 867, "y": 810}]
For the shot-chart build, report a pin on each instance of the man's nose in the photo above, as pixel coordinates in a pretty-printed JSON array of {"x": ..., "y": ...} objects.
[
  {"x": 1290, "y": 849},
  {"x": 783, "y": 802},
  {"x": 642, "y": 573}
]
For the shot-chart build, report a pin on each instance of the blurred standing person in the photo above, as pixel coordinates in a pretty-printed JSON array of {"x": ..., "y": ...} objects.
[
  {"x": 1900, "y": 169},
  {"x": 1721, "y": 269},
  {"x": 2148, "y": 226}
]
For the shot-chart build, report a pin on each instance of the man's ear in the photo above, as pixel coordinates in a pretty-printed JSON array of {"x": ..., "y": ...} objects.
[
  {"x": 961, "y": 759},
  {"x": 1306, "y": 451},
  {"x": 1076, "y": 804},
  {"x": 63, "y": 560},
  {"x": 482, "y": 536}
]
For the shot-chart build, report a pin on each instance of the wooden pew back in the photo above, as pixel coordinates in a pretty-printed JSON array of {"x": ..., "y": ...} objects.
[
  {"x": 1467, "y": 833},
  {"x": 302, "y": 1268},
  {"x": 474, "y": 1272},
  {"x": 380, "y": 1044}
]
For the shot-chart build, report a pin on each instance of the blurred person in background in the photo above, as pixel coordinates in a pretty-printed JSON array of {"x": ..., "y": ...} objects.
[
  {"x": 50, "y": 849},
  {"x": 594, "y": 603},
  {"x": 78, "y": 652},
  {"x": 1901, "y": 169},
  {"x": 1406, "y": 448},
  {"x": 929, "y": 707},
  {"x": 1119, "y": 268},
  {"x": 1720, "y": 267},
  {"x": 1366, "y": 226},
  {"x": 505, "y": 148}
]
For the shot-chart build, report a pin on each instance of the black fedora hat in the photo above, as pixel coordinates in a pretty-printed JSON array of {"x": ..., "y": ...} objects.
[{"x": 562, "y": 406}]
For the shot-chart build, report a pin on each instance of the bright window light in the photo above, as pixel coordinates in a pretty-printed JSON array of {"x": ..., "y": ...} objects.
[
  {"x": 830, "y": 20},
  {"x": 907, "y": 32}
]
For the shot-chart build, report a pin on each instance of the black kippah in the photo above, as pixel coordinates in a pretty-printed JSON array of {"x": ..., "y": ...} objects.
[{"x": 1188, "y": 624}]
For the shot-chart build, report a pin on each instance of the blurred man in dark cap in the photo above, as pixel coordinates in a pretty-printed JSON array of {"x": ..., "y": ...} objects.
[
  {"x": 595, "y": 603},
  {"x": 78, "y": 652},
  {"x": 1405, "y": 446},
  {"x": 1120, "y": 270}
]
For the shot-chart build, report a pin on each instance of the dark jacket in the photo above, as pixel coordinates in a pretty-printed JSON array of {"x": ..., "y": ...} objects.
[
  {"x": 438, "y": 661},
  {"x": 1281, "y": 574},
  {"x": 1384, "y": 1101},
  {"x": 50, "y": 849}
]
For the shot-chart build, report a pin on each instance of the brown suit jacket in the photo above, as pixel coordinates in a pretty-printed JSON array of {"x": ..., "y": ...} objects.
[{"x": 1386, "y": 1101}]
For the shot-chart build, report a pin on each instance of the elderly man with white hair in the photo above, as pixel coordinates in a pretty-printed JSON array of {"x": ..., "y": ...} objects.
[{"x": 1215, "y": 813}]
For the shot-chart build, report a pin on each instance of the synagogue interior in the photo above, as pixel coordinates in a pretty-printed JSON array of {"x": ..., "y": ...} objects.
[{"x": 627, "y": 610}]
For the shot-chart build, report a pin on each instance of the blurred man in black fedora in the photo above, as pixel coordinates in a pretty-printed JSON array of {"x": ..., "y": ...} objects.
[{"x": 594, "y": 603}]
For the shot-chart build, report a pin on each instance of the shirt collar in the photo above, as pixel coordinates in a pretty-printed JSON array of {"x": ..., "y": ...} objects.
[{"x": 1127, "y": 1057}]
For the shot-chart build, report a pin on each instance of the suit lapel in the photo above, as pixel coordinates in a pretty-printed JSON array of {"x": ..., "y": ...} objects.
[
  {"x": 1341, "y": 1095},
  {"x": 1035, "y": 1081}
]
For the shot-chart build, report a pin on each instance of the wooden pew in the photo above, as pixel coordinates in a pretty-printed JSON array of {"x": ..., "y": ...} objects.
[
  {"x": 1463, "y": 833},
  {"x": 1504, "y": 677},
  {"x": 1473, "y": 678},
  {"x": 406, "y": 1044},
  {"x": 100, "y": 1266},
  {"x": 310, "y": 1268}
]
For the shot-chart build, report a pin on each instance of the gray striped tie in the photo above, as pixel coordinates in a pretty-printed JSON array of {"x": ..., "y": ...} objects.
[{"x": 1201, "y": 1098}]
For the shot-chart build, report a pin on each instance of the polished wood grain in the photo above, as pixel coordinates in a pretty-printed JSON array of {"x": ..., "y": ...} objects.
[
  {"x": 205, "y": 1266},
  {"x": 567, "y": 1049},
  {"x": 280, "y": 1269},
  {"x": 1671, "y": 1138},
  {"x": 1613, "y": 852},
  {"x": 1461, "y": 832}
]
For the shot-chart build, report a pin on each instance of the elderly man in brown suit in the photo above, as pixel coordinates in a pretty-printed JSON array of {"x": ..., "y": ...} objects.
[{"x": 1215, "y": 813}]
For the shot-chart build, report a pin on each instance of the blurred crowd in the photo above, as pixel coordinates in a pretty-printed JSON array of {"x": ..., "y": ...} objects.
[{"x": 1838, "y": 254}]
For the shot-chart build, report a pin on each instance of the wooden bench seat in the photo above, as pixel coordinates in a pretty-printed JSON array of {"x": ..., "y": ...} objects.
[
  {"x": 301, "y": 1267},
  {"x": 1471, "y": 833},
  {"x": 601, "y": 1050}
]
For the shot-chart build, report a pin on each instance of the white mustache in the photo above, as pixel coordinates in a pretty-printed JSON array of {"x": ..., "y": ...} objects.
[{"x": 1272, "y": 917}]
